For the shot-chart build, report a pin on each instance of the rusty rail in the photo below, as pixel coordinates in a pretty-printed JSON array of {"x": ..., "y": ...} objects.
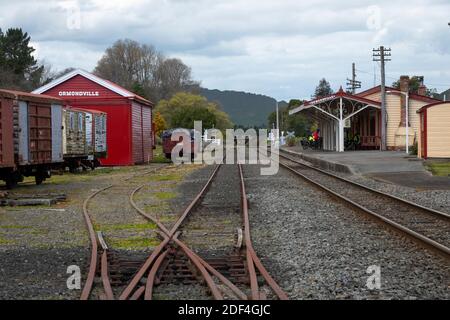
[
  {"x": 169, "y": 235},
  {"x": 253, "y": 262},
  {"x": 417, "y": 237},
  {"x": 93, "y": 264},
  {"x": 252, "y": 258}
]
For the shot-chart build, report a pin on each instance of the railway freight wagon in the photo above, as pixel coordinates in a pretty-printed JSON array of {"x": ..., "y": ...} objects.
[
  {"x": 84, "y": 138},
  {"x": 30, "y": 136},
  {"x": 74, "y": 138},
  {"x": 96, "y": 136}
]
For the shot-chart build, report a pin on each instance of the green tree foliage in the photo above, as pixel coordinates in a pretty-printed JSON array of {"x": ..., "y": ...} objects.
[
  {"x": 297, "y": 122},
  {"x": 18, "y": 67},
  {"x": 323, "y": 89},
  {"x": 184, "y": 108},
  {"x": 414, "y": 84}
]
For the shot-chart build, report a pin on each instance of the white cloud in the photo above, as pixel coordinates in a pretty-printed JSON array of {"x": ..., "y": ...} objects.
[{"x": 280, "y": 48}]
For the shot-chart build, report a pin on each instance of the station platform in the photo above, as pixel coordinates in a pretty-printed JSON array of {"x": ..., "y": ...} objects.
[{"x": 387, "y": 166}]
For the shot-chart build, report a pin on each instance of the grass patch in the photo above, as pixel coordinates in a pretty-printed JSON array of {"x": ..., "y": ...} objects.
[
  {"x": 439, "y": 168},
  {"x": 15, "y": 227},
  {"x": 4, "y": 241},
  {"x": 171, "y": 218},
  {"x": 166, "y": 177},
  {"x": 159, "y": 207},
  {"x": 130, "y": 226},
  {"x": 159, "y": 156},
  {"x": 134, "y": 243},
  {"x": 27, "y": 208},
  {"x": 165, "y": 195}
]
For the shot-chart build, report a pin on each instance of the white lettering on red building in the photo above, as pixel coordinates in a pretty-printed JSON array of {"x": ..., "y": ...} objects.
[{"x": 79, "y": 94}]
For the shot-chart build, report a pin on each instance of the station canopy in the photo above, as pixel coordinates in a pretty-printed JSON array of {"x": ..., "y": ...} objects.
[{"x": 338, "y": 107}]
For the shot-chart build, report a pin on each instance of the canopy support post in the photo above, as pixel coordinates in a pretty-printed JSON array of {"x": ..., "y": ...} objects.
[{"x": 341, "y": 127}]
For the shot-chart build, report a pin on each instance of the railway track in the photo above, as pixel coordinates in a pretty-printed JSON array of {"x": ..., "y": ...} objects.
[
  {"x": 234, "y": 277},
  {"x": 426, "y": 226},
  {"x": 100, "y": 252}
]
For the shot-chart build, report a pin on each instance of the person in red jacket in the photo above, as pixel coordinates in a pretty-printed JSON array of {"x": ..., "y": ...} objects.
[{"x": 316, "y": 135}]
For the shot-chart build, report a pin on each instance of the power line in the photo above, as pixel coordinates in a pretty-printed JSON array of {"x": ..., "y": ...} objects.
[
  {"x": 353, "y": 84},
  {"x": 396, "y": 78}
]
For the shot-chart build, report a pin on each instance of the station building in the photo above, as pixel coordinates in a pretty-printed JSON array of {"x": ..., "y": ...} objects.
[
  {"x": 434, "y": 137},
  {"x": 129, "y": 116},
  {"x": 342, "y": 115}
]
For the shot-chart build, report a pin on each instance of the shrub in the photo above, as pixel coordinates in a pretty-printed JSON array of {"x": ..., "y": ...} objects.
[
  {"x": 292, "y": 141},
  {"x": 414, "y": 149}
]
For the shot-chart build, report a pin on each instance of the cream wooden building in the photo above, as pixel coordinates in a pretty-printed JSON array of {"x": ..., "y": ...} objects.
[{"x": 434, "y": 128}]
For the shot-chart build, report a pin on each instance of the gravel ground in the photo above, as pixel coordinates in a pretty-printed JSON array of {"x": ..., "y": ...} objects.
[
  {"x": 166, "y": 198},
  {"x": 37, "y": 244},
  {"x": 38, "y": 274},
  {"x": 210, "y": 229},
  {"x": 319, "y": 249},
  {"x": 435, "y": 199},
  {"x": 212, "y": 225},
  {"x": 329, "y": 246}
]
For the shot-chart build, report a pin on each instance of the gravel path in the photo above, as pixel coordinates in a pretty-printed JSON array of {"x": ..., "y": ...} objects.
[
  {"x": 37, "y": 244},
  {"x": 435, "y": 199},
  {"x": 414, "y": 218},
  {"x": 319, "y": 249}
]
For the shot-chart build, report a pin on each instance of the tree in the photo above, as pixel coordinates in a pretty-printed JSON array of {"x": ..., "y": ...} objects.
[
  {"x": 144, "y": 70},
  {"x": 62, "y": 73},
  {"x": 173, "y": 76},
  {"x": 184, "y": 108},
  {"x": 160, "y": 123},
  {"x": 18, "y": 68},
  {"x": 414, "y": 84},
  {"x": 323, "y": 89},
  {"x": 297, "y": 122}
]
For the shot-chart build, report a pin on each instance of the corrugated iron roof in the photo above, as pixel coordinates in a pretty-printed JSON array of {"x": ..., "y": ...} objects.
[{"x": 103, "y": 82}]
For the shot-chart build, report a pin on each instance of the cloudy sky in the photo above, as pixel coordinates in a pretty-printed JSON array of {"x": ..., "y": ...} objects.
[{"x": 278, "y": 48}]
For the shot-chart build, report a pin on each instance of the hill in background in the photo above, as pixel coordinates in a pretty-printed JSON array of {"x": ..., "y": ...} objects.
[{"x": 245, "y": 109}]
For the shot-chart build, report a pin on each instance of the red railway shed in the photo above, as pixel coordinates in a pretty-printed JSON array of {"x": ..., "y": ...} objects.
[{"x": 129, "y": 116}]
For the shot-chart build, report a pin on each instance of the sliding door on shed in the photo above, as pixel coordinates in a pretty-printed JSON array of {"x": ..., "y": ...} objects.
[
  {"x": 147, "y": 133},
  {"x": 40, "y": 133},
  {"x": 137, "y": 133}
]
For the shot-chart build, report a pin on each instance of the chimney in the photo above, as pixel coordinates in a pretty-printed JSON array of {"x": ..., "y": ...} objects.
[
  {"x": 404, "y": 83},
  {"x": 404, "y": 87},
  {"x": 422, "y": 90}
]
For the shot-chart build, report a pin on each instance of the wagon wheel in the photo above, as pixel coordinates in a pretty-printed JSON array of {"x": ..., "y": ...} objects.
[
  {"x": 39, "y": 178},
  {"x": 11, "y": 182}
]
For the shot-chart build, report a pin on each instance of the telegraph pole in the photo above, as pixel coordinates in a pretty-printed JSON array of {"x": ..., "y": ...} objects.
[
  {"x": 383, "y": 55},
  {"x": 352, "y": 84},
  {"x": 278, "y": 123}
]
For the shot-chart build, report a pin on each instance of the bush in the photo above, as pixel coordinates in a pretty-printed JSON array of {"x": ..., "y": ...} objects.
[
  {"x": 292, "y": 141},
  {"x": 414, "y": 149}
]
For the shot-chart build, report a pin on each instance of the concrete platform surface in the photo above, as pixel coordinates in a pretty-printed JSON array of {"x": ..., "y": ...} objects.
[{"x": 388, "y": 166}]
